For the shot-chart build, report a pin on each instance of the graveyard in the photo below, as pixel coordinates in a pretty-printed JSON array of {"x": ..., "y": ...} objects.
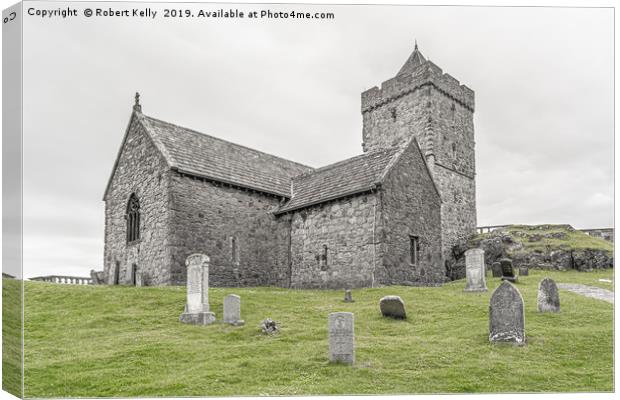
[{"x": 128, "y": 341}]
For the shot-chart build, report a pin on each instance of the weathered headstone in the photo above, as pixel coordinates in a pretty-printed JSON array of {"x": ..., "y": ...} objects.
[
  {"x": 474, "y": 271},
  {"x": 348, "y": 297},
  {"x": 139, "y": 279},
  {"x": 548, "y": 296},
  {"x": 506, "y": 315},
  {"x": 341, "y": 337},
  {"x": 497, "y": 269},
  {"x": 392, "y": 306},
  {"x": 232, "y": 310},
  {"x": 508, "y": 273},
  {"x": 524, "y": 271},
  {"x": 197, "y": 306}
]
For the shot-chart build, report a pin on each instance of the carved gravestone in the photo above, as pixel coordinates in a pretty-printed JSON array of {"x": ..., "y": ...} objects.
[
  {"x": 348, "y": 297},
  {"x": 341, "y": 337},
  {"x": 197, "y": 306},
  {"x": 548, "y": 296},
  {"x": 524, "y": 271},
  {"x": 506, "y": 315},
  {"x": 232, "y": 310},
  {"x": 392, "y": 306},
  {"x": 474, "y": 271},
  {"x": 496, "y": 267},
  {"x": 508, "y": 273}
]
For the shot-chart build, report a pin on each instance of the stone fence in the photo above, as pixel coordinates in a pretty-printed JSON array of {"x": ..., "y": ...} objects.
[
  {"x": 67, "y": 280},
  {"x": 603, "y": 233}
]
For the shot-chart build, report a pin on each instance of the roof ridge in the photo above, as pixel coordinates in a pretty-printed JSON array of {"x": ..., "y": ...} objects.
[
  {"x": 226, "y": 141},
  {"x": 346, "y": 160}
]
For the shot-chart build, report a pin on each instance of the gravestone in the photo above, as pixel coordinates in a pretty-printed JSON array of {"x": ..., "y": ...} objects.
[
  {"x": 508, "y": 273},
  {"x": 348, "y": 297},
  {"x": 496, "y": 267},
  {"x": 524, "y": 271},
  {"x": 474, "y": 271},
  {"x": 548, "y": 296},
  {"x": 139, "y": 279},
  {"x": 197, "y": 306},
  {"x": 506, "y": 315},
  {"x": 341, "y": 337},
  {"x": 97, "y": 277},
  {"x": 392, "y": 306},
  {"x": 232, "y": 310},
  {"x": 269, "y": 326}
]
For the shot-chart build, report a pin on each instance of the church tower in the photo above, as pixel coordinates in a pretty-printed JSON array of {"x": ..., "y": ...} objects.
[{"x": 433, "y": 106}]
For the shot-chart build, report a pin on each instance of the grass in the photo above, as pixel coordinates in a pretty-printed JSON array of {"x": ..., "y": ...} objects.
[
  {"x": 91, "y": 341},
  {"x": 573, "y": 239},
  {"x": 12, "y": 336}
]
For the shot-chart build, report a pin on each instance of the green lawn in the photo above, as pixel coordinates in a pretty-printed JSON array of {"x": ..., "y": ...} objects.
[
  {"x": 12, "y": 336},
  {"x": 93, "y": 341}
]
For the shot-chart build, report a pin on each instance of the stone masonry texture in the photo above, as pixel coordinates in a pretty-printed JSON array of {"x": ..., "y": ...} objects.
[{"x": 267, "y": 221}]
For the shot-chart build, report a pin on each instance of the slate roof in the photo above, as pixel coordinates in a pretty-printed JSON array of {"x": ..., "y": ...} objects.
[
  {"x": 352, "y": 176},
  {"x": 415, "y": 59},
  {"x": 206, "y": 156}
]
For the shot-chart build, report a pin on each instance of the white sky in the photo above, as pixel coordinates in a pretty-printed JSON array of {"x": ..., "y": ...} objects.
[{"x": 543, "y": 79}]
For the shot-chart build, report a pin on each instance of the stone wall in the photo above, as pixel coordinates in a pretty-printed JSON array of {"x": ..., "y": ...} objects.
[
  {"x": 332, "y": 244},
  {"x": 247, "y": 245},
  {"x": 436, "y": 109},
  {"x": 410, "y": 206},
  {"x": 141, "y": 170}
]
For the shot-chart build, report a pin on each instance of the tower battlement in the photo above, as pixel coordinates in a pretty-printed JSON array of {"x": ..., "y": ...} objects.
[{"x": 425, "y": 74}]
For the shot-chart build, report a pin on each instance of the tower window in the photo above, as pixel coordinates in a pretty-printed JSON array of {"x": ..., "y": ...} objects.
[
  {"x": 393, "y": 114},
  {"x": 133, "y": 219},
  {"x": 414, "y": 249}
]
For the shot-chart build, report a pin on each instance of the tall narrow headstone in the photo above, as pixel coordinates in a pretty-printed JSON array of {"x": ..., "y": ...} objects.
[
  {"x": 197, "y": 306},
  {"x": 474, "y": 271},
  {"x": 139, "y": 279},
  {"x": 341, "y": 337},
  {"x": 548, "y": 296},
  {"x": 232, "y": 310},
  {"x": 506, "y": 315},
  {"x": 508, "y": 273},
  {"x": 496, "y": 267}
]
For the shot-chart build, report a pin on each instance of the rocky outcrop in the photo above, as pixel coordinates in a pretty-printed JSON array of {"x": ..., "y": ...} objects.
[{"x": 558, "y": 247}]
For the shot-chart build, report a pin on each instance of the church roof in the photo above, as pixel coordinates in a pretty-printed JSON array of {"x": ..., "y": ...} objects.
[
  {"x": 198, "y": 154},
  {"x": 415, "y": 59},
  {"x": 351, "y": 176}
]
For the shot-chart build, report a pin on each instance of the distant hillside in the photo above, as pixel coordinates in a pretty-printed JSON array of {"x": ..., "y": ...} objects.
[{"x": 537, "y": 246}]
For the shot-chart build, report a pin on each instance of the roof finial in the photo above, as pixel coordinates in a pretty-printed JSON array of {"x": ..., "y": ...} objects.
[
  {"x": 416, "y": 44},
  {"x": 137, "y": 106}
]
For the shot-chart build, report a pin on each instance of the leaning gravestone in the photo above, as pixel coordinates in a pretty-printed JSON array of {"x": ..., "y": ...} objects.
[
  {"x": 348, "y": 297},
  {"x": 341, "y": 337},
  {"x": 497, "y": 269},
  {"x": 392, "y": 306},
  {"x": 548, "y": 296},
  {"x": 474, "y": 271},
  {"x": 232, "y": 310},
  {"x": 197, "y": 307},
  {"x": 506, "y": 315},
  {"x": 508, "y": 273}
]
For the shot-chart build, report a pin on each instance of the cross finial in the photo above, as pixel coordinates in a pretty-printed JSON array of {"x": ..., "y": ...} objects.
[{"x": 137, "y": 106}]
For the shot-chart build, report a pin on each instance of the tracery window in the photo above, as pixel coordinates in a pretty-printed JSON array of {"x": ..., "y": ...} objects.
[{"x": 133, "y": 219}]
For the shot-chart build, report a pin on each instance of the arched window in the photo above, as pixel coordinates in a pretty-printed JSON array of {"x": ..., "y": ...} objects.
[{"x": 133, "y": 219}]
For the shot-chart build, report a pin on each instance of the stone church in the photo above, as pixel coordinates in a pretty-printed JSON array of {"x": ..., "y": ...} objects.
[{"x": 387, "y": 216}]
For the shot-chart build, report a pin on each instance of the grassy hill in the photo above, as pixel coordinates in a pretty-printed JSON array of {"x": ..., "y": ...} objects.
[{"x": 94, "y": 341}]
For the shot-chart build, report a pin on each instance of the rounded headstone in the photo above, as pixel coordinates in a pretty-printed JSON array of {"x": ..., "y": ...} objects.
[
  {"x": 393, "y": 306},
  {"x": 548, "y": 296},
  {"x": 506, "y": 315}
]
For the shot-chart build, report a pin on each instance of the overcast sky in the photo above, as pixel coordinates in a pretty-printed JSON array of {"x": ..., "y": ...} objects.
[{"x": 543, "y": 79}]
